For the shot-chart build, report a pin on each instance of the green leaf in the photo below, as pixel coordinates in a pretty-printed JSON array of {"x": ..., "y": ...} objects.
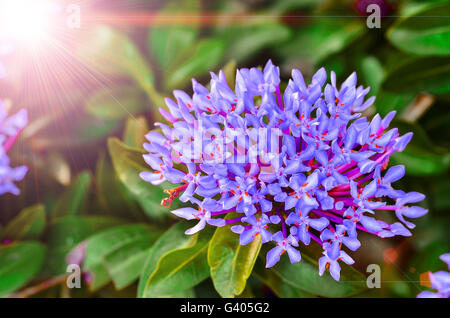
[
  {"x": 247, "y": 40},
  {"x": 104, "y": 254},
  {"x": 322, "y": 38},
  {"x": 230, "y": 73},
  {"x": 65, "y": 233},
  {"x": 419, "y": 162},
  {"x": 280, "y": 7},
  {"x": 109, "y": 51},
  {"x": 79, "y": 130},
  {"x": 135, "y": 130},
  {"x": 387, "y": 102},
  {"x": 28, "y": 224},
  {"x": 53, "y": 165},
  {"x": 172, "y": 239},
  {"x": 437, "y": 193},
  {"x": 372, "y": 72},
  {"x": 414, "y": 6},
  {"x": 278, "y": 286},
  {"x": 181, "y": 269},
  {"x": 128, "y": 163},
  {"x": 304, "y": 275},
  {"x": 167, "y": 41},
  {"x": 429, "y": 74},
  {"x": 424, "y": 36},
  {"x": 124, "y": 265},
  {"x": 19, "y": 263},
  {"x": 74, "y": 198},
  {"x": 195, "y": 60},
  {"x": 421, "y": 157},
  {"x": 289, "y": 291},
  {"x": 116, "y": 102},
  {"x": 188, "y": 293},
  {"x": 112, "y": 194},
  {"x": 87, "y": 130},
  {"x": 231, "y": 263}
]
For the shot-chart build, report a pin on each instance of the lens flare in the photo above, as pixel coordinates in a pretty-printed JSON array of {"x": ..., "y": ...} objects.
[{"x": 25, "y": 22}]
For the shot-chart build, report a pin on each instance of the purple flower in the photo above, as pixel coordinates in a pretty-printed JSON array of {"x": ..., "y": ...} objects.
[
  {"x": 301, "y": 223},
  {"x": 303, "y": 164},
  {"x": 361, "y": 6},
  {"x": 10, "y": 127},
  {"x": 338, "y": 237},
  {"x": 203, "y": 214},
  {"x": 255, "y": 227},
  {"x": 440, "y": 281},
  {"x": 284, "y": 244},
  {"x": 10, "y": 175},
  {"x": 331, "y": 259}
]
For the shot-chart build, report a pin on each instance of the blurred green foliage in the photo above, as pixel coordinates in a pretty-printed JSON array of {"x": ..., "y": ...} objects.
[{"x": 84, "y": 147}]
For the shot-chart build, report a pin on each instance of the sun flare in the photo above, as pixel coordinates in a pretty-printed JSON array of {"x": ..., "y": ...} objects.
[{"x": 25, "y": 22}]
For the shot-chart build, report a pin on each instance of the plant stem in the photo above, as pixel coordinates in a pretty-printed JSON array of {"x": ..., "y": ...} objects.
[{"x": 40, "y": 287}]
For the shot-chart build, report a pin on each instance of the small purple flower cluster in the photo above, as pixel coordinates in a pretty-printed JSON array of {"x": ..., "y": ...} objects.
[
  {"x": 10, "y": 127},
  {"x": 439, "y": 281},
  {"x": 324, "y": 184}
]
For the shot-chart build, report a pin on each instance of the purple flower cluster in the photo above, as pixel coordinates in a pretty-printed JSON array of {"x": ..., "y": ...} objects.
[
  {"x": 439, "y": 281},
  {"x": 322, "y": 182},
  {"x": 10, "y": 127}
]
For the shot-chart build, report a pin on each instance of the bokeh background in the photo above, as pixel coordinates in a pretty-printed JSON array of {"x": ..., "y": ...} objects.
[{"x": 107, "y": 79}]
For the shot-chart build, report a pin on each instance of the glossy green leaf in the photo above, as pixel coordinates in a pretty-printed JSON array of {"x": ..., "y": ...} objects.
[
  {"x": 279, "y": 7},
  {"x": 188, "y": 293},
  {"x": 135, "y": 130},
  {"x": 437, "y": 193},
  {"x": 181, "y": 269},
  {"x": 167, "y": 41},
  {"x": 74, "y": 198},
  {"x": 28, "y": 224},
  {"x": 247, "y": 40},
  {"x": 90, "y": 130},
  {"x": 278, "y": 286},
  {"x": 388, "y": 101},
  {"x": 420, "y": 162},
  {"x": 304, "y": 275},
  {"x": 429, "y": 74},
  {"x": 78, "y": 130},
  {"x": 372, "y": 72},
  {"x": 230, "y": 73},
  {"x": 19, "y": 263},
  {"x": 322, "y": 38},
  {"x": 124, "y": 265},
  {"x": 421, "y": 157},
  {"x": 116, "y": 102},
  {"x": 231, "y": 263},
  {"x": 195, "y": 60},
  {"x": 53, "y": 165},
  {"x": 172, "y": 239},
  {"x": 128, "y": 163},
  {"x": 112, "y": 195},
  {"x": 65, "y": 233},
  {"x": 413, "y": 6},
  {"x": 424, "y": 36},
  {"x": 104, "y": 252},
  {"x": 109, "y": 51}
]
